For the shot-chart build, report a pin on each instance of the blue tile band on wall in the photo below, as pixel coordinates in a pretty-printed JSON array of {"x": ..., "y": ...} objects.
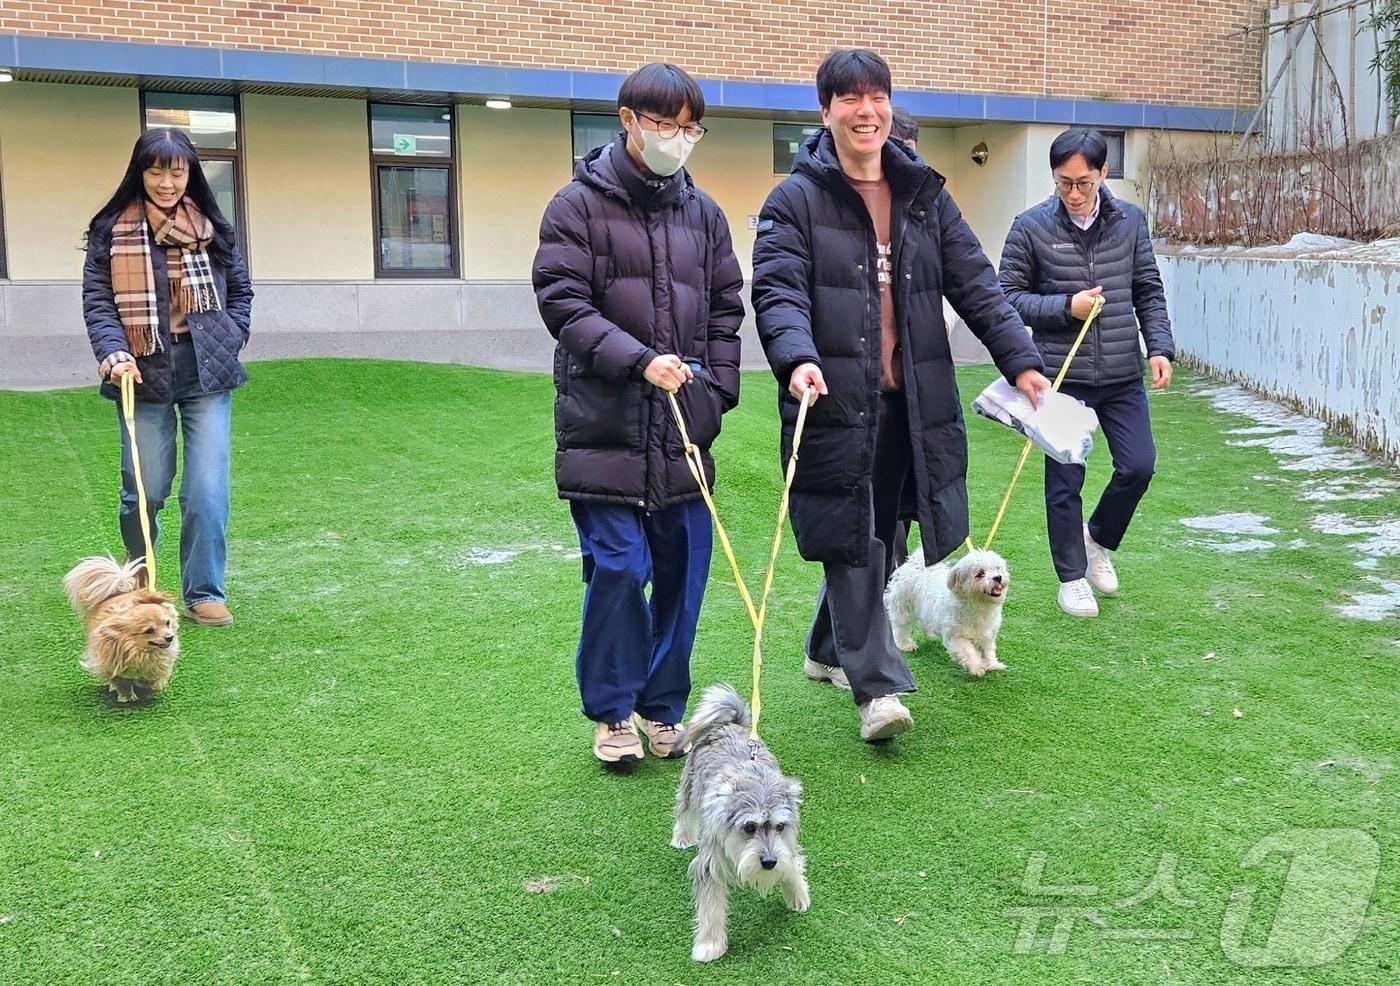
[{"x": 236, "y": 65}]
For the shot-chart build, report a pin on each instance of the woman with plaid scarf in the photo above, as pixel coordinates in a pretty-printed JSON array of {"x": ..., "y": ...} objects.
[{"x": 167, "y": 300}]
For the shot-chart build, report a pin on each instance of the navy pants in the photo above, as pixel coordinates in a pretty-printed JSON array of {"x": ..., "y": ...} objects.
[
  {"x": 1124, "y": 422},
  {"x": 634, "y": 648}
]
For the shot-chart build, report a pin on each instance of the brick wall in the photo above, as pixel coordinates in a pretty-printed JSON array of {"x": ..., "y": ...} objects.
[{"x": 1169, "y": 51}]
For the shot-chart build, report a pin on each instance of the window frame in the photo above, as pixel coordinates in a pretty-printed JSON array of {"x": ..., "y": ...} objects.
[
  {"x": 575, "y": 114},
  {"x": 1122, "y": 137},
  {"x": 773, "y": 140},
  {"x": 453, "y": 270},
  {"x": 234, "y": 157}
]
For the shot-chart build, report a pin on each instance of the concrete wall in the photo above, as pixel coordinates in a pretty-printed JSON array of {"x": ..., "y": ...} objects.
[
  {"x": 734, "y": 164},
  {"x": 306, "y": 167},
  {"x": 63, "y": 150},
  {"x": 509, "y": 165},
  {"x": 1320, "y": 334}
]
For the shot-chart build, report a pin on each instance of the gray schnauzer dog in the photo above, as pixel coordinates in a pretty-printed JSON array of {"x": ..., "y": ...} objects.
[{"x": 735, "y": 803}]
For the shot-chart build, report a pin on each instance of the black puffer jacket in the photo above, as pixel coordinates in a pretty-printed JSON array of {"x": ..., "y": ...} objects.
[
  {"x": 817, "y": 299},
  {"x": 628, "y": 270},
  {"x": 1047, "y": 260}
]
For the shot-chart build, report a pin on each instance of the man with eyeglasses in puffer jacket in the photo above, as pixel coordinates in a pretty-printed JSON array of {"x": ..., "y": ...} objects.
[{"x": 1080, "y": 245}]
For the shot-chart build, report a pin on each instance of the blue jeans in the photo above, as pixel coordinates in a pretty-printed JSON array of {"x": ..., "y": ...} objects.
[
  {"x": 634, "y": 651},
  {"x": 204, "y": 492}
]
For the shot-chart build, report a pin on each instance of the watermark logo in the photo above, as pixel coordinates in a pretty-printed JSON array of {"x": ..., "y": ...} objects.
[{"x": 1310, "y": 920}]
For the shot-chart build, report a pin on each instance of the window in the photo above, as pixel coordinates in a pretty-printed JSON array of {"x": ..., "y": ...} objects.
[
  {"x": 593, "y": 130},
  {"x": 211, "y": 123},
  {"x": 787, "y": 138},
  {"x": 411, "y": 158},
  {"x": 1115, "y": 152}
]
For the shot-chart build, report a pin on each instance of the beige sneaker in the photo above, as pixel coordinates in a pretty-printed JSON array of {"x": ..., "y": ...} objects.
[
  {"x": 1100, "y": 572},
  {"x": 617, "y": 742},
  {"x": 209, "y": 614},
  {"x": 884, "y": 717},
  {"x": 826, "y": 672},
  {"x": 665, "y": 740}
]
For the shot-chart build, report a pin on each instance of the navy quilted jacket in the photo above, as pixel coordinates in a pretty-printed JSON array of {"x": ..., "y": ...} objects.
[
  {"x": 217, "y": 336},
  {"x": 816, "y": 295},
  {"x": 626, "y": 271},
  {"x": 1047, "y": 260}
]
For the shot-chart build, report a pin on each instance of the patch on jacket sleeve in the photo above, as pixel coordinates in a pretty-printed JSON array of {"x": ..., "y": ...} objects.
[{"x": 764, "y": 225}]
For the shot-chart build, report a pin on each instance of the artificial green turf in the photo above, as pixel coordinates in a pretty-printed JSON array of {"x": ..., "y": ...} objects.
[{"x": 356, "y": 782}]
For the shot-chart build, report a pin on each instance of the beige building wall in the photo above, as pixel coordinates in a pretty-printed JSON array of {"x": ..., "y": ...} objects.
[
  {"x": 989, "y": 195},
  {"x": 308, "y": 190},
  {"x": 63, "y": 150},
  {"x": 734, "y": 164},
  {"x": 306, "y": 170},
  {"x": 509, "y": 165}
]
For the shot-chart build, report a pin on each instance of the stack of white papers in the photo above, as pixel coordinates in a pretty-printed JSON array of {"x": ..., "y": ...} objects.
[{"x": 1062, "y": 427}]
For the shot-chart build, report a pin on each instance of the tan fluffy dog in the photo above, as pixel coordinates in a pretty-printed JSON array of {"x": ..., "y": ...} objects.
[{"x": 131, "y": 631}]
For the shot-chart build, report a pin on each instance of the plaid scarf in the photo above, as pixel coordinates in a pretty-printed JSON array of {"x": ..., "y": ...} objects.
[{"x": 185, "y": 234}]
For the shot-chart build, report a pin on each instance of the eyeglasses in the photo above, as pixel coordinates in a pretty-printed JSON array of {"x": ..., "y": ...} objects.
[
  {"x": 667, "y": 129},
  {"x": 1085, "y": 185}
]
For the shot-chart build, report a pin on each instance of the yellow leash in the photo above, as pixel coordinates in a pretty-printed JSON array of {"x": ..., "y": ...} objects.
[
  {"x": 756, "y": 615},
  {"x": 128, "y": 389},
  {"x": 1059, "y": 379}
]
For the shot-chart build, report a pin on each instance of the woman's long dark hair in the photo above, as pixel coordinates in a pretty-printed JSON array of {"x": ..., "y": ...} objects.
[{"x": 162, "y": 148}]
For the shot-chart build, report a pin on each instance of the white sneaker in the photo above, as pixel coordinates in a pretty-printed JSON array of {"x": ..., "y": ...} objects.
[
  {"x": 1101, "y": 574},
  {"x": 884, "y": 717},
  {"x": 825, "y": 672},
  {"x": 1077, "y": 599}
]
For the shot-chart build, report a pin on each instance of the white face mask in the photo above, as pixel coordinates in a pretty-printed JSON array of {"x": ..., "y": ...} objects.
[{"x": 663, "y": 155}]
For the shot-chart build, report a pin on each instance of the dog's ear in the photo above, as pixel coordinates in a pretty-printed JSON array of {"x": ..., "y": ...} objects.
[
  {"x": 794, "y": 790},
  {"x": 959, "y": 578},
  {"x": 144, "y": 596}
]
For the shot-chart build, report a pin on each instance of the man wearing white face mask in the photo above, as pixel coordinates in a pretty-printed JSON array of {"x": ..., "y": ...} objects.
[{"x": 637, "y": 281}]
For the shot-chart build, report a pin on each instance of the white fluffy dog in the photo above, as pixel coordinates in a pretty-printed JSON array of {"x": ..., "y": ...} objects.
[{"x": 960, "y": 605}]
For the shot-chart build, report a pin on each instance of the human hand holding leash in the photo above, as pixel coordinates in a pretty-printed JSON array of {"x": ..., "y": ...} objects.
[
  {"x": 1083, "y": 303},
  {"x": 804, "y": 376},
  {"x": 122, "y": 369},
  {"x": 669, "y": 372}
]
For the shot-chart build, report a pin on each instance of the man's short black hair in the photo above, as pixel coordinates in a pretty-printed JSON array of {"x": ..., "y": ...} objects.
[
  {"x": 661, "y": 89},
  {"x": 903, "y": 126},
  {"x": 851, "y": 71},
  {"x": 1080, "y": 140}
]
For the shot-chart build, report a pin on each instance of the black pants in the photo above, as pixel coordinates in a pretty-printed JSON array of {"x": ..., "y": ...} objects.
[
  {"x": 850, "y": 629},
  {"x": 1124, "y": 421}
]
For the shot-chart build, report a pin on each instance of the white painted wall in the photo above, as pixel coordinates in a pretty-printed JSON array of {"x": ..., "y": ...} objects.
[{"x": 1321, "y": 334}]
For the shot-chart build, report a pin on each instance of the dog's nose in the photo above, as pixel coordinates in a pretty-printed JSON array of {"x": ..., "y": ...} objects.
[
  {"x": 768, "y": 862},
  {"x": 997, "y": 579}
]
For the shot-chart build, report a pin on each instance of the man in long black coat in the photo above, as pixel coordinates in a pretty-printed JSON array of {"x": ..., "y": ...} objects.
[{"x": 855, "y": 252}]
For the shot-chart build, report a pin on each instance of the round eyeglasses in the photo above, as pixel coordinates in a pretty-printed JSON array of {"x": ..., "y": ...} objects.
[{"x": 666, "y": 129}]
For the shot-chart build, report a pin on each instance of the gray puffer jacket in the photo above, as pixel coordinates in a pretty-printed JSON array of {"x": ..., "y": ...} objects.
[{"x": 1047, "y": 260}]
